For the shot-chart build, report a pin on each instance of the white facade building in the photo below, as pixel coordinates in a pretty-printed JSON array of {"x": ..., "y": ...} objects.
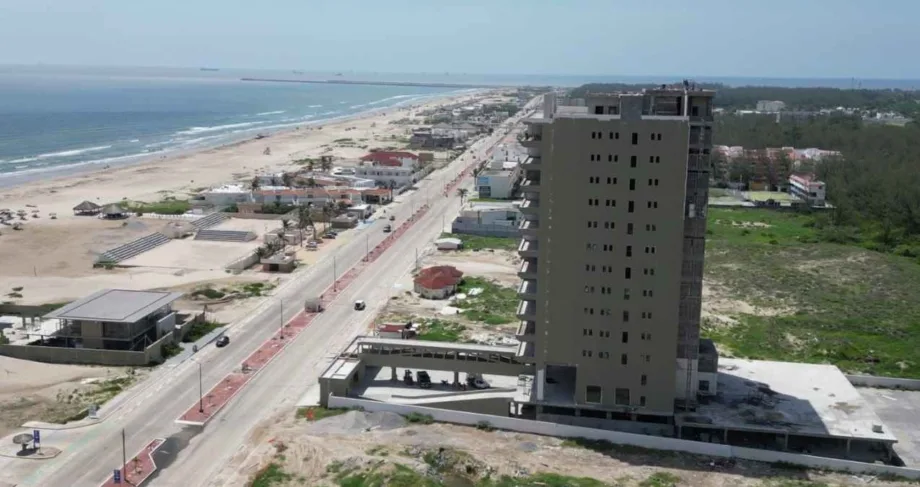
[
  {"x": 227, "y": 194},
  {"x": 770, "y": 106},
  {"x": 806, "y": 188}
]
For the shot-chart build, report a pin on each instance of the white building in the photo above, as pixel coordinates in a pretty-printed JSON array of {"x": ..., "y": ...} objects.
[
  {"x": 807, "y": 189},
  {"x": 491, "y": 213},
  {"x": 227, "y": 194},
  {"x": 770, "y": 106},
  {"x": 389, "y": 167}
]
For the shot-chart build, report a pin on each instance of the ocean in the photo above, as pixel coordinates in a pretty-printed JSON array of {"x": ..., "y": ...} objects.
[
  {"x": 55, "y": 121},
  {"x": 59, "y": 120}
]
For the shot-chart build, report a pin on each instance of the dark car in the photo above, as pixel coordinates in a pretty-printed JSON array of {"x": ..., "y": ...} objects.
[
  {"x": 392, "y": 218},
  {"x": 329, "y": 235},
  {"x": 223, "y": 341},
  {"x": 424, "y": 380},
  {"x": 387, "y": 229}
]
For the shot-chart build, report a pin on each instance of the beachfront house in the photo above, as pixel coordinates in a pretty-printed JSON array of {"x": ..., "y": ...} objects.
[
  {"x": 389, "y": 168},
  {"x": 317, "y": 197},
  {"x": 228, "y": 194}
]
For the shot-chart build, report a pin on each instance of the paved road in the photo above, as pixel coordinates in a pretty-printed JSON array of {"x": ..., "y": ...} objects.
[{"x": 197, "y": 456}]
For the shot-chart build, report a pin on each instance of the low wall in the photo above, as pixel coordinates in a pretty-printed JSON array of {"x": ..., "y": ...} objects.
[
  {"x": 884, "y": 382},
  {"x": 643, "y": 441},
  {"x": 82, "y": 356},
  {"x": 261, "y": 216},
  {"x": 243, "y": 262},
  {"x": 154, "y": 353},
  {"x": 485, "y": 230}
]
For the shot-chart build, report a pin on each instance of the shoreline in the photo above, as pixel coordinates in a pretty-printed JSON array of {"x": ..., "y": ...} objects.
[{"x": 12, "y": 180}]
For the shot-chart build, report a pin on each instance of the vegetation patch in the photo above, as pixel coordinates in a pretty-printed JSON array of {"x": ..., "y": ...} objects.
[
  {"x": 271, "y": 474},
  {"x": 167, "y": 206},
  {"x": 198, "y": 330},
  {"x": 476, "y": 243},
  {"x": 316, "y": 413},
  {"x": 208, "y": 293},
  {"x": 418, "y": 418},
  {"x": 494, "y": 304},
  {"x": 170, "y": 350},
  {"x": 843, "y": 304},
  {"x": 660, "y": 479},
  {"x": 435, "y": 330}
]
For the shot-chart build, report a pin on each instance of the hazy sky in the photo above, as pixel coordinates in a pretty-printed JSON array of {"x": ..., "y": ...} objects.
[{"x": 775, "y": 38}]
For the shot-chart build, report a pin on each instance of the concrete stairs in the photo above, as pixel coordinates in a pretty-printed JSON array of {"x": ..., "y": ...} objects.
[
  {"x": 209, "y": 221},
  {"x": 132, "y": 249},
  {"x": 224, "y": 235}
]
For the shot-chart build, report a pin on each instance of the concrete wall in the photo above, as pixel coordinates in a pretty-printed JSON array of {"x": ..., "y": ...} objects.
[
  {"x": 243, "y": 263},
  {"x": 653, "y": 442},
  {"x": 485, "y": 230},
  {"x": 884, "y": 382},
  {"x": 83, "y": 356},
  {"x": 423, "y": 363},
  {"x": 493, "y": 406}
]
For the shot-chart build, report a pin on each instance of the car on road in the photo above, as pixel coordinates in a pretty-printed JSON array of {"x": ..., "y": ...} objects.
[
  {"x": 476, "y": 381},
  {"x": 330, "y": 235},
  {"x": 387, "y": 229},
  {"x": 222, "y": 341},
  {"x": 360, "y": 305},
  {"x": 424, "y": 380},
  {"x": 392, "y": 218}
]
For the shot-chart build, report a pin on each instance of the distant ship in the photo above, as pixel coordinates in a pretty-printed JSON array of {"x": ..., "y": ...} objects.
[
  {"x": 338, "y": 74},
  {"x": 297, "y": 72},
  {"x": 210, "y": 69}
]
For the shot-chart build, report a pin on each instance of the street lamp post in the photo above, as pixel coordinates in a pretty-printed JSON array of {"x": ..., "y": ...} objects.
[
  {"x": 367, "y": 251},
  {"x": 281, "y": 317},
  {"x": 200, "y": 395},
  {"x": 333, "y": 274}
]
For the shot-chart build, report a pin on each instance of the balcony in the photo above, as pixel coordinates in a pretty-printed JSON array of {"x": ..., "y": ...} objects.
[
  {"x": 526, "y": 332},
  {"x": 530, "y": 186},
  {"x": 525, "y": 350},
  {"x": 528, "y": 269},
  {"x": 528, "y": 289},
  {"x": 530, "y": 206},
  {"x": 527, "y": 310},
  {"x": 528, "y": 249},
  {"x": 532, "y": 163},
  {"x": 529, "y": 228},
  {"x": 529, "y": 140}
]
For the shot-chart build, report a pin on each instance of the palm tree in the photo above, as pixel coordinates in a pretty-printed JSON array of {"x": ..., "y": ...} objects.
[
  {"x": 254, "y": 184},
  {"x": 304, "y": 220},
  {"x": 285, "y": 224},
  {"x": 311, "y": 165},
  {"x": 462, "y": 192},
  {"x": 325, "y": 163},
  {"x": 311, "y": 183},
  {"x": 287, "y": 179},
  {"x": 391, "y": 185},
  {"x": 328, "y": 211},
  {"x": 342, "y": 207}
]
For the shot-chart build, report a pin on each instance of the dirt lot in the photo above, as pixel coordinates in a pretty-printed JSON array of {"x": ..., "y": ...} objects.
[
  {"x": 358, "y": 448},
  {"x": 32, "y": 391},
  {"x": 443, "y": 319}
]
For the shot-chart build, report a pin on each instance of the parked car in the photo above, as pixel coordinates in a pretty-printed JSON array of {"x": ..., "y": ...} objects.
[
  {"x": 329, "y": 235},
  {"x": 392, "y": 218},
  {"x": 387, "y": 229},
  {"x": 222, "y": 341},
  {"x": 424, "y": 380},
  {"x": 476, "y": 382},
  {"x": 360, "y": 305}
]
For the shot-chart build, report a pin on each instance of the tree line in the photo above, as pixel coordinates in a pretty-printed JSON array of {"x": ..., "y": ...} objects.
[{"x": 733, "y": 98}]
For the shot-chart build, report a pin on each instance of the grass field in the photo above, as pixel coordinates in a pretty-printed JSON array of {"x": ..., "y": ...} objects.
[
  {"x": 495, "y": 305},
  {"x": 474, "y": 242},
  {"x": 788, "y": 296},
  {"x": 768, "y": 195}
]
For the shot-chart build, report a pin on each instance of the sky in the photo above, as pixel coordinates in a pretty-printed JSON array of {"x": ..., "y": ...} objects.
[{"x": 756, "y": 38}]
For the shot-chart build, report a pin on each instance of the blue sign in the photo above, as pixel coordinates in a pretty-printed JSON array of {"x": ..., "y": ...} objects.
[
  {"x": 116, "y": 476},
  {"x": 36, "y": 437}
]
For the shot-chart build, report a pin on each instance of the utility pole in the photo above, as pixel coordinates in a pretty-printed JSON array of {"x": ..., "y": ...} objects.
[
  {"x": 367, "y": 251},
  {"x": 124, "y": 457},
  {"x": 200, "y": 393},
  {"x": 416, "y": 259},
  {"x": 333, "y": 274},
  {"x": 281, "y": 317}
]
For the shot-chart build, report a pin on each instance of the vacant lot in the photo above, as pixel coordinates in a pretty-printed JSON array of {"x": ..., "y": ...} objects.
[
  {"x": 358, "y": 449},
  {"x": 476, "y": 243},
  {"x": 774, "y": 292}
]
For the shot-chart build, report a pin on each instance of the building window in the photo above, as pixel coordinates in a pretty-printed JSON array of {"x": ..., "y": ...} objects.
[
  {"x": 587, "y": 332},
  {"x": 651, "y": 136},
  {"x": 589, "y": 311},
  {"x": 623, "y": 359},
  {"x": 622, "y": 396},
  {"x": 611, "y": 203},
  {"x": 628, "y": 273},
  {"x": 625, "y": 337},
  {"x": 632, "y": 184},
  {"x": 635, "y": 138},
  {"x": 591, "y": 246},
  {"x": 604, "y": 334},
  {"x": 632, "y": 161},
  {"x": 643, "y": 380},
  {"x": 642, "y": 398},
  {"x": 611, "y": 180},
  {"x": 626, "y": 294},
  {"x": 589, "y": 289},
  {"x": 645, "y": 357},
  {"x": 631, "y": 207},
  {"x": 647, "y": 293},
  {"x": 609, "y": 225},
  {"x": 704, "y": 385},
  {"x": 656, "y": 182},
  {"x": 603, "y": 355},
  {"x": 599, "y": 110},
  {"x": 657, "y": 159},
  {"x": 586, "y": 353},
  {"x": 647, "y": 315},
  {"x": 629, "y": 251},
  {"x": 616, "y": 135},
  {"x": 629, "y": 228},
  {"x": 625, "y": 316},
  {"x": 593, "y": 394},
  {"x": 595, "y": 180},
  {"x": 659, "y": 136},
  {"x": 645, "y": 336},
  {"x": 608, "y": 247},
  {"x": 651, "y": 158}
]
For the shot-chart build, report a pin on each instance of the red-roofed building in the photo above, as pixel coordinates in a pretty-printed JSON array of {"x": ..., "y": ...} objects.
[
  {"x": 438, "y": 282},
  {"x": 391, "y": 158},
  {"x": 396, "y": 330},
  {"x": 394, "y": 169}
]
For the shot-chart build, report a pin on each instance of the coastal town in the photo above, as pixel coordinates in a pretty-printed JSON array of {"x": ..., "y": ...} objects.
[{"x": 361, "y": 300}]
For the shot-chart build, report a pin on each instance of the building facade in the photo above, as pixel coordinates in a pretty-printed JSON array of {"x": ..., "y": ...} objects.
[
  {"x": 391, "y": 168},
  {"x": 806, "y": 188},
  {"x": 615, "y": 191}
]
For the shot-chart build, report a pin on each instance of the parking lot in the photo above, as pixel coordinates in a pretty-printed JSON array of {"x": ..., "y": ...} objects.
[{"x": 899, "y": 410}]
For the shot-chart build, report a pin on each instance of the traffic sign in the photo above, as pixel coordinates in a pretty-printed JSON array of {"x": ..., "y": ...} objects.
[{"x": 116, "y": 476}]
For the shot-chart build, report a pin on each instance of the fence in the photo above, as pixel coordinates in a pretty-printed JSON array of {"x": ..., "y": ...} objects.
[
  {"x": 617, "y": 437},
  {"x": 485, "y": 230}
]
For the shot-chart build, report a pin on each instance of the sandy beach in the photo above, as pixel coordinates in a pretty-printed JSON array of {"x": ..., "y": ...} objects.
[{"x": 50, "y": 260}]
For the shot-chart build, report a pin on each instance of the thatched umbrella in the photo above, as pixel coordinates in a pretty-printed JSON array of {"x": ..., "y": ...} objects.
[
  {"x": 113, "y": 211},
  {"x": 86, "y": 208}
]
